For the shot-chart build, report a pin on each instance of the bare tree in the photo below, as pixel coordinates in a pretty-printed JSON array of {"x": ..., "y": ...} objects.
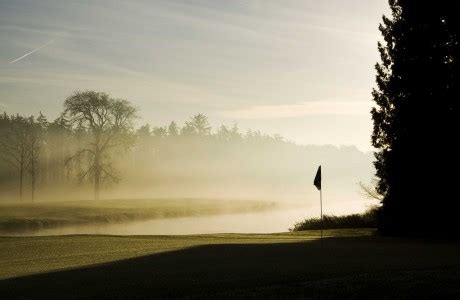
[
  {"x": 109, "y": 123},
  {"x": 370, "y": 191},
  {"x": 13, "y": 146}
]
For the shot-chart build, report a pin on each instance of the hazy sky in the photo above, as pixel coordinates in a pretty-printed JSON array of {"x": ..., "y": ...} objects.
[{"x": 303, "y": 69}]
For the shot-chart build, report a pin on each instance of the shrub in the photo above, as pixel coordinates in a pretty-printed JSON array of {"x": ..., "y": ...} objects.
[{"x": 367, "y": 219}]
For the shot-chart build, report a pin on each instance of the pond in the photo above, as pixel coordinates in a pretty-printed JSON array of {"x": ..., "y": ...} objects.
[
  {"x": 268, "y": 221},
  {"x": 279, "y": 218}
]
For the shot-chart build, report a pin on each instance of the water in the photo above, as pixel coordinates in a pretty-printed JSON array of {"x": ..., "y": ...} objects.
[{"x": 278, "y": 219}]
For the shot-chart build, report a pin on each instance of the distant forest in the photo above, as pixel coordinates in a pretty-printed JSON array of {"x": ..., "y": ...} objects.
[{"x": 42, "y": 158}]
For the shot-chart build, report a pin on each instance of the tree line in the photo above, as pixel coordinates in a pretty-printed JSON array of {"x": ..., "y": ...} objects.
[{"x": 85, "y": 143}]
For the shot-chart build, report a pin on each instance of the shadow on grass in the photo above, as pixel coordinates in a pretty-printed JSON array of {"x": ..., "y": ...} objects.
[{"x": 351, "y": 267}]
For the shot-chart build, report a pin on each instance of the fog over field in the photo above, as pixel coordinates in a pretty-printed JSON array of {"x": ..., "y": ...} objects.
[
  {"x": 218, "y": 163},
  {"x": 221, "y": 171}
]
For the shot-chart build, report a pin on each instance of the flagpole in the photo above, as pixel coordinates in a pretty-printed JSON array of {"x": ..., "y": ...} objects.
[
  {"x": 317, "y": 183},
  {"x": 321, "y": 205}
]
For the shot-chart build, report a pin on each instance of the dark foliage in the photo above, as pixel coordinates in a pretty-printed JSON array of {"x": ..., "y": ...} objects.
[
  {"x": 415, "y": 120},
  {"x": 365, "y": 220}
]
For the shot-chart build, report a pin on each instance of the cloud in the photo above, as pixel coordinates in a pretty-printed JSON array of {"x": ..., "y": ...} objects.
[
  {"x": 309, "y": 108},
  {"x": 29, "y": 53}
]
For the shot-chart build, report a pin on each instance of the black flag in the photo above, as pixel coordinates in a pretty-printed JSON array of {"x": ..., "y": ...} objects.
[{"x": 317, "y": 181}]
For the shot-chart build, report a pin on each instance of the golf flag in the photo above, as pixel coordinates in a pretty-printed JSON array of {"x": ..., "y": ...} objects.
[{"x": 317, "y": 181}]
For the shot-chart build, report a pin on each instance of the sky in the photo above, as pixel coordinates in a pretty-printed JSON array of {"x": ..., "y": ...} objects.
[{"x": 303, "y": 69}]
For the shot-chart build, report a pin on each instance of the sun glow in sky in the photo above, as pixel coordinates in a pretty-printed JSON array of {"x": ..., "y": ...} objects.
[{"x": 302, "y": 69}]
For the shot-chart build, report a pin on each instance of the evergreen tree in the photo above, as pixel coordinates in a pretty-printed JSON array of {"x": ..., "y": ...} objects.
[
  {"x": 34, "y": 145},
  {"x": 223, "y": 133},
  {"x": 173, "y": 130},
  {"x": 199, "y": 124},
  {"x": 13, "y": 146},
  {"x": 415, "y": 118}
]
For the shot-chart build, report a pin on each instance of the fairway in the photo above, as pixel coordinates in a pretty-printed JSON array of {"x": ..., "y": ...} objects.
[{"x": 345, "y": 263}]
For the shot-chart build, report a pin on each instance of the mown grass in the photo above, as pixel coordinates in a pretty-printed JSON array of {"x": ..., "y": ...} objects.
[
  {"x": 367, "y": 219},
  {"x": 348, "y": 263},
  {"x": 27, "y": 255},
  {"x": 16, "y": 218}
]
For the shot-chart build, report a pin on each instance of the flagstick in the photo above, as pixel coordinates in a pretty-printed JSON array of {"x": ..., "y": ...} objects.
[{"x": 321, "y": 205}]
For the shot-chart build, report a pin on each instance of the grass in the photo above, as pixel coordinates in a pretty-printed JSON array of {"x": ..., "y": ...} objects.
[
  {"x": 16, "y": 218},
  {"x": 27, "y": 255},
  {"x": 364, "y": 220},
  {"x": 348, "y": 263}
]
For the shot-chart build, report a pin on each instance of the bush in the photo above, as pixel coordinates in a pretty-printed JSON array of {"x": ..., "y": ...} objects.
[{"x": 364, "y": 220}]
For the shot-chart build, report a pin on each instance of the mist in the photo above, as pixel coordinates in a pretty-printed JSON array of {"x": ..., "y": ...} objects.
[
  {"x": 192, "y": 173},
  {"x": 184, "y": 162}
]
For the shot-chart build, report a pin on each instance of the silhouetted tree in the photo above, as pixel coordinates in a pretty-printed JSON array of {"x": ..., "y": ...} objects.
[
  {"x": 34, "y": 143},
  {"x": 108, "y": 121},
  {"x": 13, "y": 146},
  {"x": 415, "y": 120},
  {"x": 60, "y": 139}
]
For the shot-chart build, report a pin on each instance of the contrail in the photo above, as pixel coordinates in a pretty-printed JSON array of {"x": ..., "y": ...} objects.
[{"x": 29, "y": 53}]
